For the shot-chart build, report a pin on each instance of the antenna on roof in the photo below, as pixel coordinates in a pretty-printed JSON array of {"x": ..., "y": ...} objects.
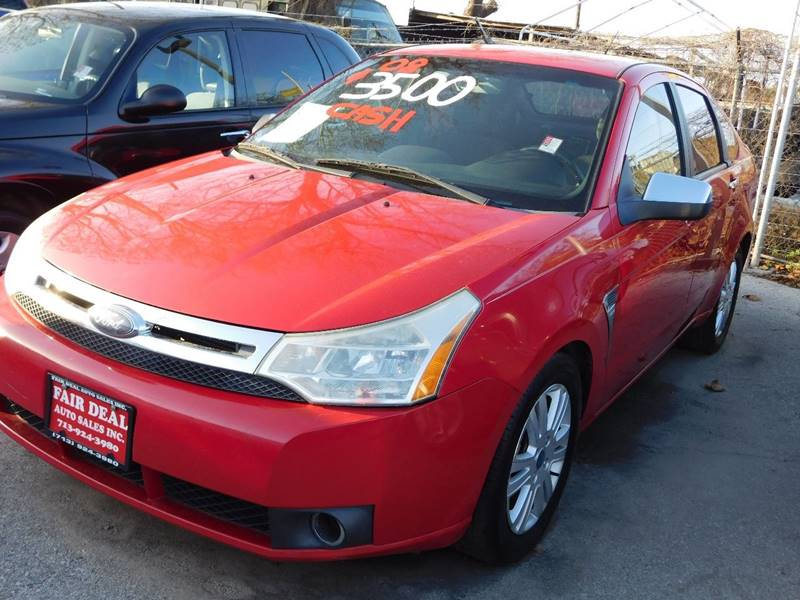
[{"x": 486, "y": 37}]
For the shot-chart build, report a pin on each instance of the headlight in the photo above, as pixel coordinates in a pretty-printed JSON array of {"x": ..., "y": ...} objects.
[
  {"x": 393, "y": 363},
  {"x": 21, "y": 271}
]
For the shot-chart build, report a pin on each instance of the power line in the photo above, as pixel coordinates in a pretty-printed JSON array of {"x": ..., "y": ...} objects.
[
  {"x": 703, "y": 12},
  {"x": 662, "y": 28},
  {"x": 712, "y": 15},
  {"x": 570, "y": 7},
  {"x": 618, "y": 15}
]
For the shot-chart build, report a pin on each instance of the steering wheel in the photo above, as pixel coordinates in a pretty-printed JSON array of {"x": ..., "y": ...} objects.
[{"x": 565, "y": 164}]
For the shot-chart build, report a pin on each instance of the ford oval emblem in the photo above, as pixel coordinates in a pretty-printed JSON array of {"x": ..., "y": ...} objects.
[{"x": 116, "y": 321}]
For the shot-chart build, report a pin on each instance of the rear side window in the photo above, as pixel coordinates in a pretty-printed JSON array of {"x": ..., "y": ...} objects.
[
  {"x": 729, "y": 139},
  {"x": 280, "y": 65},
  {"x": 336, "y": 58},
  {"x": 702, "y": 130},
  {"x": 654, "y": 145}
]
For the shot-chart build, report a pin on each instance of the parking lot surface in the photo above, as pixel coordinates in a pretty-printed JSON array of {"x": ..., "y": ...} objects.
[{"x": 678, "y": 492}]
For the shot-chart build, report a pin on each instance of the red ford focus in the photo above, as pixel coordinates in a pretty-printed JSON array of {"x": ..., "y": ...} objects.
[{"x": 379, "y": 324}]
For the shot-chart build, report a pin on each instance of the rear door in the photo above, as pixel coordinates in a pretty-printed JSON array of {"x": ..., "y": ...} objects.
[
  {"x": 706, "y": 161},
  {"x": 201, "y": 65},
  {"x": 279, "y": 66}
]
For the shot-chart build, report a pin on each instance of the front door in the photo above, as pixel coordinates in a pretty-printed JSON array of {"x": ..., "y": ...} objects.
[
  {"x": 200, "y": 65},
  {"x": 655, "y": 257}
]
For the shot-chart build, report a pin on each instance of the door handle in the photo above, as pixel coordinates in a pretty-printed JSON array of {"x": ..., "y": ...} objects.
[
  {"x": 238, "y": 133},
  {"x": 733, "y": 183}
]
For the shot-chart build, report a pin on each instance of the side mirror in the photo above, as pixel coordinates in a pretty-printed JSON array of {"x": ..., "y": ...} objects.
[
  {"x": 668, "y": 197},
  {"x": 160, "y": 99}
]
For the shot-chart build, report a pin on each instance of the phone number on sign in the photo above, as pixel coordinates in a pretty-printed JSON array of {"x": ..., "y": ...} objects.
[{"x": 78, "y": 432}]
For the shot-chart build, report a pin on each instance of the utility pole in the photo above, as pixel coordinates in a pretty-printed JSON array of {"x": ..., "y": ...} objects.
[
  {"x": 773, "y": 117},
  {"x": 578, "y": 17},
  {"x": 737, "y": 83},
  {"x": 786, "y": 118}
]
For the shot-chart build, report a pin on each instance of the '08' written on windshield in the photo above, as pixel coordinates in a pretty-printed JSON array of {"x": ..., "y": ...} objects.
[{"x": 399, "y": 77}]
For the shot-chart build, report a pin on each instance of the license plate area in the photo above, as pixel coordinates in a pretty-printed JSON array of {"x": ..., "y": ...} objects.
[{"x": 90, "y": 422}]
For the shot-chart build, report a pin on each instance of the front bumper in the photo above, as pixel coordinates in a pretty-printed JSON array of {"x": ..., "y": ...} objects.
[{"x": 419, "y": 469}]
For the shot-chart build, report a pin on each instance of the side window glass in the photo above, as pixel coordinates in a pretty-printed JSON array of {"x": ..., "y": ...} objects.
[
  {"x": 198, "y": 64},
  {"x": 729, "y": 139},
  {"x": 654, "y": 145},
  {"x": 702, "y": 131},
  {"x": 281, "y": 66},
  {"x": 336, "y": 58}
]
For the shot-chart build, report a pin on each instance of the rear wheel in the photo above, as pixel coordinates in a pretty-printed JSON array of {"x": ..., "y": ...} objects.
[
  {"x": 709, "y": 336},
  {"x": 530, "y": 467}
]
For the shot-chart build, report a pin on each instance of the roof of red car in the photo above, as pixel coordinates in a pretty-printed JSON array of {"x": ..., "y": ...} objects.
[{"x": 597, "y": 64}]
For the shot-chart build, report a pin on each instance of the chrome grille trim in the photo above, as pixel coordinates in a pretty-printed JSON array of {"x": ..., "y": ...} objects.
[
  {"x": 161, "y": 364},
  {"x": 70, "y": 298}
]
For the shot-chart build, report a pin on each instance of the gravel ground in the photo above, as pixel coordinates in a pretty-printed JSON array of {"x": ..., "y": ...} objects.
[{"x": 678, "y": 492}]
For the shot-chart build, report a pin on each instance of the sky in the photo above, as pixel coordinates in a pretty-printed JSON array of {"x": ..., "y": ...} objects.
[{"x": 649, "y": 15}]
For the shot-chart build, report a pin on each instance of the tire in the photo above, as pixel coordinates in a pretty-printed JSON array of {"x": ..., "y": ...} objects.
[
  {"x": 19, "y": 209},
  {"x": 13, "y": 221},
  {"x": 709, "y": 336},
  {"x": 491, "y": 537}
]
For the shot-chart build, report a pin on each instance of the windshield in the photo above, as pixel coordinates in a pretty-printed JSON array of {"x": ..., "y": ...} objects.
[
  {"x": 523, "y": 136},
  {"x": 370, "y": 21},
  {"x": 56, "y": 56}
]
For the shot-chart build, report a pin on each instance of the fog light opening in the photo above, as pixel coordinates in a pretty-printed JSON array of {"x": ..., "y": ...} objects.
[{"x": 327, "y": 529}]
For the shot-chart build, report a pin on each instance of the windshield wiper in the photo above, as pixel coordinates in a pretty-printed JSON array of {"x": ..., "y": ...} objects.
[
  {"x": 402, "y": 173},
  {"x": 269, "y": 154}
]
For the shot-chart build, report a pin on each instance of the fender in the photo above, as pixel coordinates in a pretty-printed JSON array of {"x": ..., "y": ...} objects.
[{"x": 52, "y": 168}]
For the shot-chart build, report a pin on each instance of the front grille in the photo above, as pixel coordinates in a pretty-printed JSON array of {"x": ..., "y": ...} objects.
[
  {"x": 222, "y": 507},
  {"x": 161, "y": 364},
  {"x": 133, "y": 474},
  {"x": 219, "y": 506},
  {"x": 200, "y": 340}
]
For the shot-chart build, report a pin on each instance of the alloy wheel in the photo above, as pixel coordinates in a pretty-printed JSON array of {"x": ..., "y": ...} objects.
[
  {"x": 726, "y": 299},
  {"x": 539, "y": 458}
]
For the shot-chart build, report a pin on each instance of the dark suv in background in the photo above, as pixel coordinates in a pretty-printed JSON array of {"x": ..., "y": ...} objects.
[
  {"x": 9, "y": 5},
  {"x": 94, "y": 91},
  {"x": 366, "y": 24}
]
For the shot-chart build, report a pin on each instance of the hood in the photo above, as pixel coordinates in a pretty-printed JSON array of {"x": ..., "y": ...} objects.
[
  {"x": 259, "y": 245},
  {"x": 26, "y": 119}
]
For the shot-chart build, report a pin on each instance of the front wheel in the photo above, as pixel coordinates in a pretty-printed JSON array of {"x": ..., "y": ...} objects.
[
  {"x": 709, "y": 336},
  {"x": 7, "y": 242},
  {"x": 530, "y": 467},
  {"x": 12, "y": 224}
]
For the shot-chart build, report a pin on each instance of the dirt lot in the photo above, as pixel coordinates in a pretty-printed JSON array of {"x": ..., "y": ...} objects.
[{"x": 679, "y": 492}]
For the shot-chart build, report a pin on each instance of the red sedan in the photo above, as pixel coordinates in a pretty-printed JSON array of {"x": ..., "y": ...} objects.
[{"x": 379, "y": 324}]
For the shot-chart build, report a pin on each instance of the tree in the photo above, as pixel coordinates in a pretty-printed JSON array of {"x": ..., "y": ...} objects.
[{"x": 480, "y": 8}]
